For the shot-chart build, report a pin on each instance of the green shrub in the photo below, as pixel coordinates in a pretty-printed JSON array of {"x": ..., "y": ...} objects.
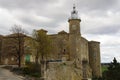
[
  {"x": 104, "y": 68},
  {"x": 32, "y": 69}
]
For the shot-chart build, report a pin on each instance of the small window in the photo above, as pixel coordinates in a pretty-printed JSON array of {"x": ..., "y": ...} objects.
[{"x": 64, "y": 51}]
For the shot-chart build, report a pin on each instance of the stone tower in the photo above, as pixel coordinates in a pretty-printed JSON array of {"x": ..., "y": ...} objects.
[
  {"x": 94, "y": 57},
  {"x": 74, "y": 22},
  {"x": 74, "y": 33}
]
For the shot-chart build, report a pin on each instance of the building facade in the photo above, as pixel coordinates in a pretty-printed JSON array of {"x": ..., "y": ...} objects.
[
  {"x": 73, "y": 57},
  {"x": 72, "y": 49},
  {"x": 10, "y": 45}
]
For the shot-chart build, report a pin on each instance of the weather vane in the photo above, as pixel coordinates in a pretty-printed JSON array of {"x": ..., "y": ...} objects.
[{"x": 74, "y": 3}]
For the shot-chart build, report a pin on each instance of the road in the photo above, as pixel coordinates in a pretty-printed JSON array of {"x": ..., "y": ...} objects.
[{"x": 7, "y": 75}]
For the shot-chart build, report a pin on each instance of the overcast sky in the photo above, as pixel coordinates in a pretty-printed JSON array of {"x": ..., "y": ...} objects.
[{"x": 100, "y": 20}]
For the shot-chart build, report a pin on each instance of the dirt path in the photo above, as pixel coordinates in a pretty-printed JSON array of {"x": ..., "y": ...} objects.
[{"x": 7, "y": 75}]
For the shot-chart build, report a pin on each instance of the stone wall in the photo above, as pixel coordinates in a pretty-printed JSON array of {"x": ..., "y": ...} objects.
[
  {"x": 9, "y": 49},
  {"x": 63, "y": 71},
  {"x": 86, "y": 69},
  {"x": 1, "y": 39},
  {"x": 60, "y": 45},
  {"x": 94, "y": 57},
  {"x": 84, "y": 49}
]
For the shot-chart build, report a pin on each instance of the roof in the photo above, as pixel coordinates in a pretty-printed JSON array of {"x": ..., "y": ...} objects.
[{"x": 62, "y": 32}]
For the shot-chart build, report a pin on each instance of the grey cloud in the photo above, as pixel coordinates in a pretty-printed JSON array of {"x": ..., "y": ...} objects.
[
  {"x": 4, "y": 29},
  {"x": 106, "y": 58},
  {"x": 42, "y": 5},
  {"x": 30, "y": 20},
  {"x": 97, "y": 4},
  {"x": 110, "y": 29},
  {"x": 94, "y": 9},
  {"x": 108, "y": 53},
  {"x": 25, "y": 4}
]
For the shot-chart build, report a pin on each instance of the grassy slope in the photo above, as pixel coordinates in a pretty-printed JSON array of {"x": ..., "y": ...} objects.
[{"x": 104, "y": 68}]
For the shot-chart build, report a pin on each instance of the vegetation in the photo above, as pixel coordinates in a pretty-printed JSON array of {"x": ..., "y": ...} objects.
[
  {"x": 32, "y": 69},
  {"x": 104, "y": 68},
  {"x": 41, "y": 44},
  {"x": 100, "y": 78},
  {"x": 110, "y": 71},
  {"x": 18, "y": 39},
  {"x": 113, "y": 72}
]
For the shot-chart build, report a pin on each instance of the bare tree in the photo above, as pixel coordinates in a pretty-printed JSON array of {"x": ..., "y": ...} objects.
[{"x": 18, "y": 34}]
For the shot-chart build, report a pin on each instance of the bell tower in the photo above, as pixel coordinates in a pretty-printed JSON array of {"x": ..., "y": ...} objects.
[
  {"x": 74, "y": 34},
  {"x": 74, "y": 22}
]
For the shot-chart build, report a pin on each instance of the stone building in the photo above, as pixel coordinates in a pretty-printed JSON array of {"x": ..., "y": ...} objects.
[
  {"x": 73, "y": 57},
  {"x": 9, "y": 47},
  {"x": 80, "y": 57},
  {"x": 1, "y": 37}
]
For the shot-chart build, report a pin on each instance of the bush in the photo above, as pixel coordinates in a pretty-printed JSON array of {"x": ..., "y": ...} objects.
[
  {"x": 95, "y": 78},
  {"x": 113, "y": 72},
  {"x": 32, "y": 69},
  {"x": 17, "y": 70}
]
